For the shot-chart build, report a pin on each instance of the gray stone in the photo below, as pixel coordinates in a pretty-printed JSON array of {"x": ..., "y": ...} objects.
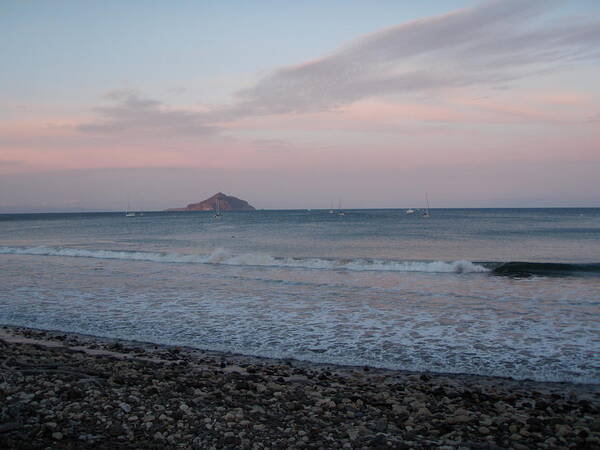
[{"x": 125, "y": 407}]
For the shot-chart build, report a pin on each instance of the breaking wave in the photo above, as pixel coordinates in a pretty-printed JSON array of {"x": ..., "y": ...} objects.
[{"x": 224, "y": 257}]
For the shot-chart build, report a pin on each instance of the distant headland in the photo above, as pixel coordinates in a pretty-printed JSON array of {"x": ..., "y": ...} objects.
[{"x": 225, "y": 203}]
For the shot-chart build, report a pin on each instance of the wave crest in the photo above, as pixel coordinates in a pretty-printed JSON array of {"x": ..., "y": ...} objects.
[{"x": 224, "y": 257}]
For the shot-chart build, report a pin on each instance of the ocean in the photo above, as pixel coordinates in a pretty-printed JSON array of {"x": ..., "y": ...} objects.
[{"x": 501, "y": 292}]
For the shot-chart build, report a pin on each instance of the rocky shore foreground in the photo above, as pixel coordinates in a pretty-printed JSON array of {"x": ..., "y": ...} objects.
[{"x": 67, "y": 391}]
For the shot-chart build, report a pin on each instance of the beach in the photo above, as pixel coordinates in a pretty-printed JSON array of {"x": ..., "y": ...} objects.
[{"x": 65, "y": 390}]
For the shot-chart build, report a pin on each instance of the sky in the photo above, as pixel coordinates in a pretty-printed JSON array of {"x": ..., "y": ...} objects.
[{"x": 298, "y": 104}]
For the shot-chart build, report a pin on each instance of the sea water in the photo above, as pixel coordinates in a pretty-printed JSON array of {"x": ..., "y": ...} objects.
[{"x": 503, "y": 292}]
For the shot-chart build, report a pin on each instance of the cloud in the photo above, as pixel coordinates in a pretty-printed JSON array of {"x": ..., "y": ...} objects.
[
  {"x": 134, "y": 114},
  {"x": 493, "y": 43}
]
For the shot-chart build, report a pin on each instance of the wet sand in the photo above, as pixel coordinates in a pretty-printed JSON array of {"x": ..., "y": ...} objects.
[{"x": 64, "y": 390}]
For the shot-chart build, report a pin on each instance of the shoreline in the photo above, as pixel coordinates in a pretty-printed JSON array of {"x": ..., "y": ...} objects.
[
  {"x": 112, "y": 393},
  {"x": 100, "y": 345}
]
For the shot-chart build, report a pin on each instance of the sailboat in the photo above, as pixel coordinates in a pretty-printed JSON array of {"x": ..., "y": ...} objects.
[
  {"x": 127, "y": 212},
  {"x": 331, "y": 211},
  {"x": 339, "y": 211},
  {"x": 426, "y": 212},
  {"x": 218, "y": 214}
]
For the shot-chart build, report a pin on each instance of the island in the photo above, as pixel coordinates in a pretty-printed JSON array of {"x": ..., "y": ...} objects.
[{"x": 220, "y": 201}]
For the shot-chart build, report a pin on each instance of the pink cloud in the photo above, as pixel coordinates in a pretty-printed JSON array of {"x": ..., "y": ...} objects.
[
  {"x": 442, "y": 117},
  {"x": 563, "y": 98},
  {"x": 453, "y": 128}
]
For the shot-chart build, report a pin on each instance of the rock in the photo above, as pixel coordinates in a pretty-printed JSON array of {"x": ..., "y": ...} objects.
[
  {"x": 563, "y": 430},
  {"x": 486, "y": 421},
  {"x": 362, "y": 430},
  {"x": 380, "y": 425},
  {"x": 125, "y": 407},
  {"x": 519, "y": 446},
  {"x": 423, "y": 412},
  {"x": 399, "y": 409},
  {"x": 458, "y": 419}
]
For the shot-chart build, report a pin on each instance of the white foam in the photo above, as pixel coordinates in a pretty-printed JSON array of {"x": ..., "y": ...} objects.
[
  {"x": 544, "y": 329},
  {"x": 222, "y": 256}
]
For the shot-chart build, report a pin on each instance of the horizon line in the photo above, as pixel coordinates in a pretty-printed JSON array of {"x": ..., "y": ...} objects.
[{"x": 297, "y": 209}]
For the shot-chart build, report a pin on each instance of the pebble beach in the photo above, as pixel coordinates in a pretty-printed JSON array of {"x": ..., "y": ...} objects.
[{"x": 69, "y": 391}]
